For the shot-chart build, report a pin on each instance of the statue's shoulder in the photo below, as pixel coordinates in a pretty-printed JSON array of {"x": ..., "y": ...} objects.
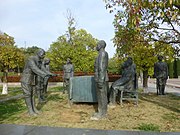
[{"x": 32, "y": 58}]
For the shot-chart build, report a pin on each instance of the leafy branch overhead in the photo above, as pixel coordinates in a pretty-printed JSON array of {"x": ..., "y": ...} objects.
[{"x": 158, "y": 20}]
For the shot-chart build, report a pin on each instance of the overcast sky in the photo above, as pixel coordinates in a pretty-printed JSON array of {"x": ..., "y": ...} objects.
[{"x": 41, "y": 22}]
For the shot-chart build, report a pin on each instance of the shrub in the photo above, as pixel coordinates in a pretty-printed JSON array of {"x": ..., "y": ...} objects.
[
  {"x": 59, "y": 78},
  {"x": 148, "y": 127}
]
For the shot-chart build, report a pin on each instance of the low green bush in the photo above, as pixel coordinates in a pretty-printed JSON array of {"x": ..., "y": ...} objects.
[{"x": 148, "y": 127}]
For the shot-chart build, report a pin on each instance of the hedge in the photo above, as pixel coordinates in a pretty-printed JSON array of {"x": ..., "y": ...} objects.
[{"x": 59, "y": 78}]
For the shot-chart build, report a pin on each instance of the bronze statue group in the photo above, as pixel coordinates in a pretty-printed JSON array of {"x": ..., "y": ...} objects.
[{"x": 36, "y": 74}]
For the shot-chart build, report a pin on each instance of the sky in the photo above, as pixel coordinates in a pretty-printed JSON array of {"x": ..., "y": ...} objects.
[{"x": 41, "y": 22}]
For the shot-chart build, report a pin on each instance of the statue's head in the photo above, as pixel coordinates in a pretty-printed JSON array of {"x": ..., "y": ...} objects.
[
  {"x": 101, "y": 44},
  {"x": 160, "y": 57},
  {"x": 130, "y": 60},
  {"x": 127, "y": 63},
  {"x": 41, "y": 53},
  {"x": 46, "y": 61},
  {"x": 68, "y": 60}
]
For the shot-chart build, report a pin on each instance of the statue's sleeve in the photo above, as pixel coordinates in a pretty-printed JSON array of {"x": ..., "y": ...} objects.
[
  {"x": 72, "y": 73},
  {"x": 44, "y": 69},
  {"x": 36, "y": 69}
]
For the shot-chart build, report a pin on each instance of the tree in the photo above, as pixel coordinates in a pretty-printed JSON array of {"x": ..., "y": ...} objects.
[
  {"x": 143, "y": 27},
  {"x": 10, "y": 58},
  {"x": 30, "y": 51},
  {"x": 78, "y": 45},
  {"x": 158, "y": 20},
  {"x": 143, "y": 53}
]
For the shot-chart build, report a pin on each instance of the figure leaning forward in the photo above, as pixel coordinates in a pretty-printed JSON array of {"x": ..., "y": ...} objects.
[{"x": 32, "y": 69}]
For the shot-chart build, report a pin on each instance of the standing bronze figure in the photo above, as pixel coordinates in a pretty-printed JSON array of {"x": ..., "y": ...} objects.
[
  {"x": 101, "y": 80},
  {"x": 31, "y": 70},
  {"x": 161, "y": 75},
  {"x": 41, "y": 87},
  {"x": 68, "y": 70}
]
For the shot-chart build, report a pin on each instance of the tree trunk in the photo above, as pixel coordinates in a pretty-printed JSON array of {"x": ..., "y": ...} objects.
[
  {"x": 19, "y": 71},
  {"x": 145, "y": 81},
  {"x": 4, "y": 81}
]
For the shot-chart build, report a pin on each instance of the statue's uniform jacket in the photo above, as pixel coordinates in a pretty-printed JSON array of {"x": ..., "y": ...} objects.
[
  {"x": 30, "y": 72},
  {"x": 68, "y": 71},
  {"x": 161, "y": 70},
  {"x": 101, "y": 65}
]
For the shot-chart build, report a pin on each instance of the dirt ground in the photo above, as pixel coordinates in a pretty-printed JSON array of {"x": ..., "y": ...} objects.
[{"x": 160, "y": 111}]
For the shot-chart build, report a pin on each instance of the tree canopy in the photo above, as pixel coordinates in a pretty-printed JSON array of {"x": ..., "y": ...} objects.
[
  {"x": 144, "y": 29},
  {"x": 81, "y": 52},
  {"x": 158, "y": 20},
  {"x": 11, "y": 56}
]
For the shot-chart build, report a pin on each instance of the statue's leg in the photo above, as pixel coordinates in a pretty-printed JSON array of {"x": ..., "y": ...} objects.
[
  {"x": 27, "y": 89},
  {"x": 45, "y": 88},
  {"x": 42, "y": 93},
  {"x": 160, "y": 86},
  {"x": 102, "y": 102},
  {"x": 39, "y": 94},
  {"x": 112, "y": 96},
  {"x": 65, "y": 85},
  {"x": 163, "y": 86},
  {"x": 157, "y": 86},
  {"x": 33, "y": 101}
]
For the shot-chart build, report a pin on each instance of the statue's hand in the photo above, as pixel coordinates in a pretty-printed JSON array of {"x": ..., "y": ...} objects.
[
  {"x": 100, "y": 85},
  {"x": 54, "y": 75}
]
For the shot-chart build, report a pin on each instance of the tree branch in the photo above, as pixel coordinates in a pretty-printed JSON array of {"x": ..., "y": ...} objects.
[
  {"x": 167, "y": 42},
  {"x": 169, "y": 20}
]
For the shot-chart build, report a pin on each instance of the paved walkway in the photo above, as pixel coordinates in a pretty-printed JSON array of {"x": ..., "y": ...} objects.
[
  {"x": 172, "y": 86},
  {"x": 11, "y": 129}
]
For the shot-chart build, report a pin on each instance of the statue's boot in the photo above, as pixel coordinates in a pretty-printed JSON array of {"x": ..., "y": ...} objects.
[
  {"x": 30, "y": 106},
  {"x": 34, "y": 106}
]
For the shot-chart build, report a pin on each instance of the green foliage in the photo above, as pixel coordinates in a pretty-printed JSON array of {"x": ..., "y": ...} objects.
[
  {"x": 156, "y": 20},
  {"x": 11, "y": 57},
  {"x": 10, "y": 109},
  {"x": 81, "y": 52},
  {"x": 30, "y": 51},
  {"x": 148, "y": 127},
  {"x": 5, "y": 39},
  {"x": 171, "y": 69},
  {"x": 78, "y": 45},
  {"x": 176, "y": 68},
  {"x": 144, "y": 53},
  {"x": 114, "y": 66}
]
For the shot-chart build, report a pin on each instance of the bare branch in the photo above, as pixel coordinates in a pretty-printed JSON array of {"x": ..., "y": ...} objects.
[
  {"x": 167, "y": 42},
  {"x": 169, "y": 20}
]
